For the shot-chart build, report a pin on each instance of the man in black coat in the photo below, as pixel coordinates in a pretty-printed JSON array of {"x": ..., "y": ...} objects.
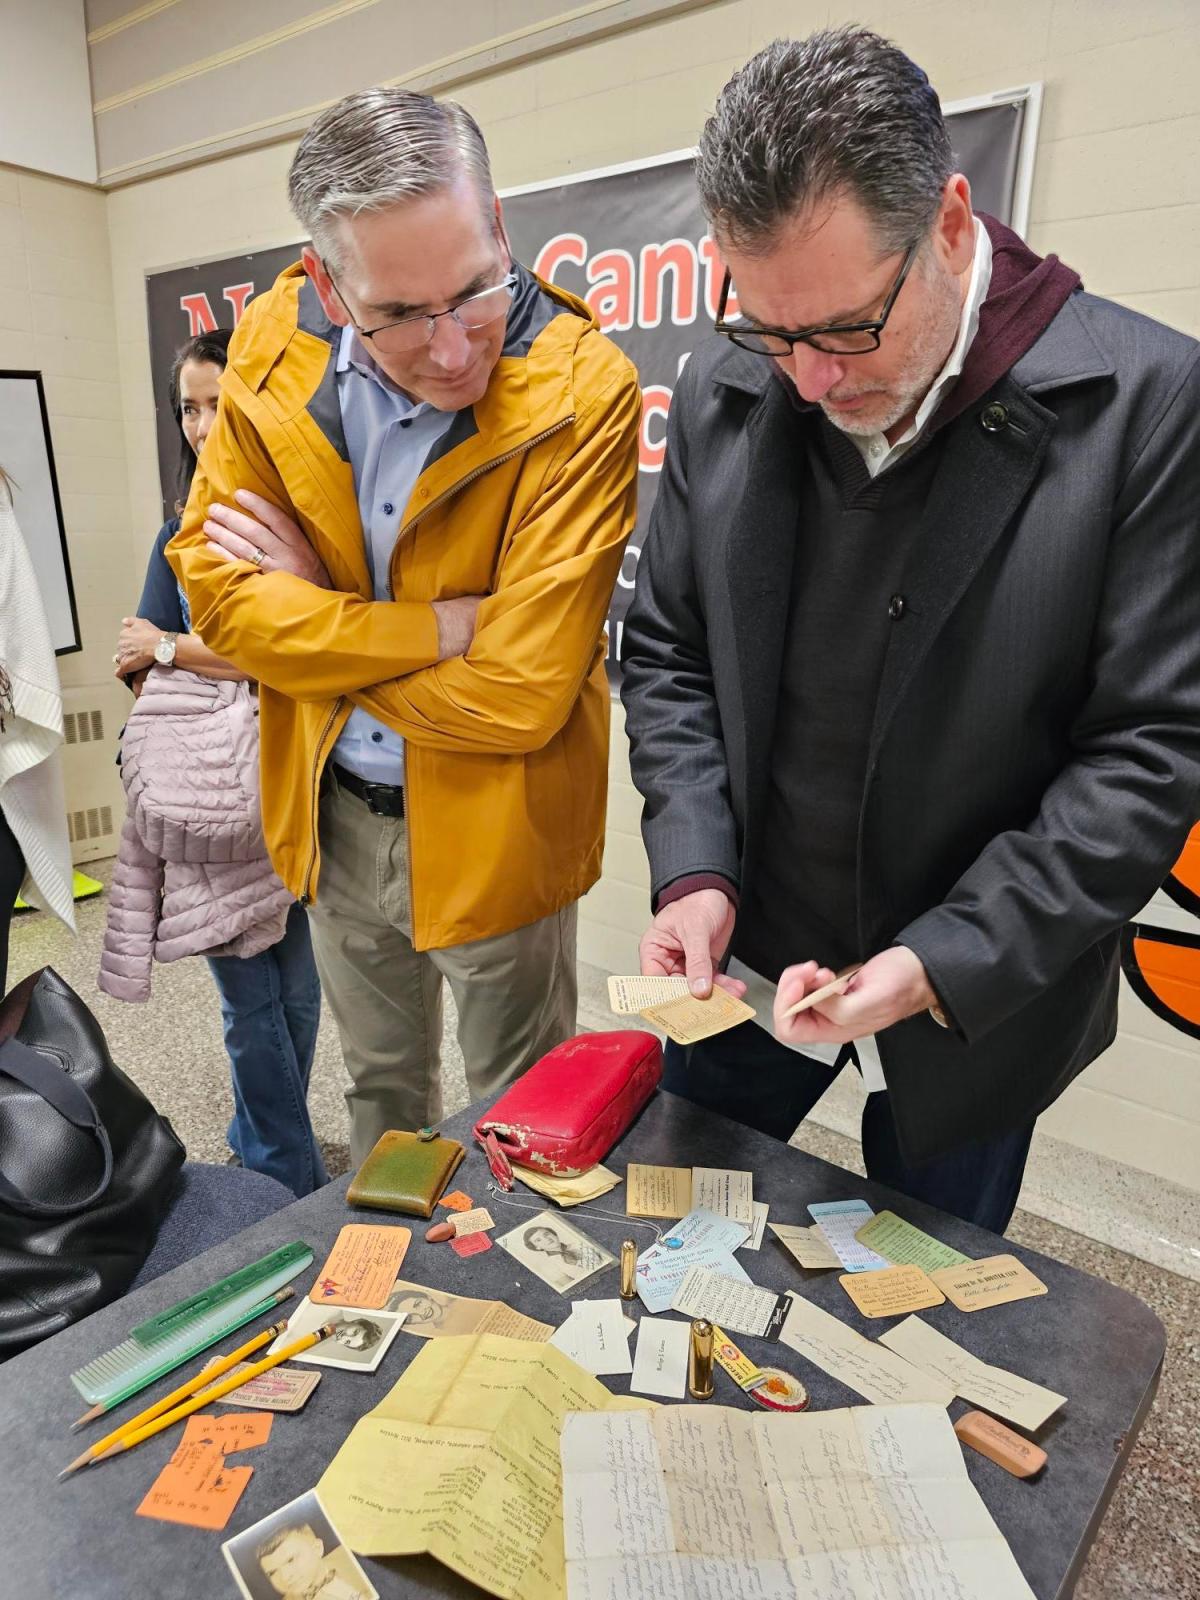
[{"x": 912, "y": 671}]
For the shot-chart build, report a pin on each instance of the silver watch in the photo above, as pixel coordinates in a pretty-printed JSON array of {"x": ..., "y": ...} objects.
[{"x": 164, "y": 650}]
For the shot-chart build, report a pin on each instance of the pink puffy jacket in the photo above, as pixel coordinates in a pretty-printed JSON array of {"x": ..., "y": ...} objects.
[{"x": 192, "y": 873}]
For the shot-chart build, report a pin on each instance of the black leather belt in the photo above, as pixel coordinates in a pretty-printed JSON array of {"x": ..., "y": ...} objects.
[{"x": 381, "y": 799}]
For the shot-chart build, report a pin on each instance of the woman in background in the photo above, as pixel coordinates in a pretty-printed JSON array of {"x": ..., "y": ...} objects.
[
  {"x": 270, "y": 1003},
  {"x": 35, "y": 856}
]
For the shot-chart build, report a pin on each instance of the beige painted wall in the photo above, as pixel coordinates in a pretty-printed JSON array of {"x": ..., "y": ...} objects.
[
  {"x": 1116, "y": 192},
  {"x": 56, "y": 316}
]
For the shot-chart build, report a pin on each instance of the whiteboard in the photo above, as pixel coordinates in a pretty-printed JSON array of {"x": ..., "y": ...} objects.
[{"x": 28, "y": 461}]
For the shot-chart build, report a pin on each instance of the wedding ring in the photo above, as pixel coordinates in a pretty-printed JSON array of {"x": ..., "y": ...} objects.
[
  {"x": 116, "y": 661},
  {"x": 258, "y": 557}
]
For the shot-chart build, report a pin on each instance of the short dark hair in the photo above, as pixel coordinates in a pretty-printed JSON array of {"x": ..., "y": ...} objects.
[
  {"x": 204, "y": 347},
  {"x": 372, "y": 1331},
  {"x": 273, "y": 1540},
  {"x": 843, "y": 111}
]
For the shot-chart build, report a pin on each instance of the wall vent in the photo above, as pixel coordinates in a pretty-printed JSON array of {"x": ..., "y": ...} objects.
[
  {"x": 83, "y": 727},
  {"x": 94, "y": 823}
]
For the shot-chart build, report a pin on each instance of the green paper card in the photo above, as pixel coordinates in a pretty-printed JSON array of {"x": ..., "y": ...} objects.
[{"x": 904, "y": 1245}]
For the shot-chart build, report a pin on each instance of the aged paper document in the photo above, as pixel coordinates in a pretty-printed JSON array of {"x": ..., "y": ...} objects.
[
  {"x": 892, "y": 1291},
  {"x": 744, "y": 1307},
  {"x": 889, "y": 1235},
  {"x": 862, "y": 1365},
  {"x": 725, "y": 1192},
  {"x": 657, "y": 1191},
  {"x": 1020, "y": 1401},
  {"x": 838, "y": 1220},
  {"x": 698, "y": 1240},
  {"x": 809, "y": 1245},
  {"x": 595, "y": 1336},
  {"x": 689, "y": 1020},
  {"x": 589, "y": 1185},
  {"x": 437, "y": 1314},
  {"x": 716, "y": 1504},
  {"x": 461, "y": 1460},
  {"x": 994, "y": 1281},
  {"x": 362, "y": 1266},
  {"x": 628, "y": 996}
]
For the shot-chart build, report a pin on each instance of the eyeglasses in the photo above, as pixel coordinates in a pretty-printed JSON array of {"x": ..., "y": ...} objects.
[
  {"x": 835, "y": 339},
  {"x": 410, "y": 333}
]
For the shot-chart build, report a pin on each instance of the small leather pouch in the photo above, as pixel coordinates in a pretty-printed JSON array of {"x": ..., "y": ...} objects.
[
  {"x": 566, "y": 1113},
  {"x": 405, "y": 1173}
]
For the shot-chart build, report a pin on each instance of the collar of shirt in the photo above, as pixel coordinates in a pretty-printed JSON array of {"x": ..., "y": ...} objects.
[
  {"x": 352, "y": 353},
  {"x": 873, "y": 447}
]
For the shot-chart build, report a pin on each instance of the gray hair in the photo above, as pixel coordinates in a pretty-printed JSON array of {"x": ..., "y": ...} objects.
[
  {"x": 380, "y": 148},
  {"x": 841, "y": 112}
]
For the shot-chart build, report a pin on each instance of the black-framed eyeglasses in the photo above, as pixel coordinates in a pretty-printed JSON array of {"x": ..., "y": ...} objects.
[
  {"x": 834, "y": 339},
  {"x": 410, "y": 333}
]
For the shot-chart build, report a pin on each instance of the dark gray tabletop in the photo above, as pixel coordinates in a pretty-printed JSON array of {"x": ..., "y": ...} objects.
[{"x": 1094, "y": 1343}]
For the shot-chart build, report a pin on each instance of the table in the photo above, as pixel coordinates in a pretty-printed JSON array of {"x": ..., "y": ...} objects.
[{"x": 1096, "y": 1344}]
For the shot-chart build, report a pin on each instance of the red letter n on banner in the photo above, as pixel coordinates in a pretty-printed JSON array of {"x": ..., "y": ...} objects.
[
  {"x": 199, "y": 314},
  {"x": 237, "y": 294}
]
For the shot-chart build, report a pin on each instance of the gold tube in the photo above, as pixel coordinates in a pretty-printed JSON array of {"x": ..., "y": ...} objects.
[
  {"x": 700, "y": 1362},
  {"x": 628, "y": 1270}
]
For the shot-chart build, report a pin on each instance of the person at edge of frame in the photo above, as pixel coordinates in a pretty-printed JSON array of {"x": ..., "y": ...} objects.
[
  {"x": 912, "y": 671},
  {"x": 407, "y": 523},
  {"x": 270, "y": 1002}
]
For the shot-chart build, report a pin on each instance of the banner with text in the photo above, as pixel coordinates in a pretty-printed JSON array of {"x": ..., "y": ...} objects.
[{"x": 632, "y": 242}]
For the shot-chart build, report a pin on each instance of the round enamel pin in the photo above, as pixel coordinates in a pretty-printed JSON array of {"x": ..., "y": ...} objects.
[{"x": 779, "y": 1391}]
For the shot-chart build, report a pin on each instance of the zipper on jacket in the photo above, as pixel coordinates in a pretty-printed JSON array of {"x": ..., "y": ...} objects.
[
  {"x": 487, "y": 466},
  {"x": 315, "y": 790}
]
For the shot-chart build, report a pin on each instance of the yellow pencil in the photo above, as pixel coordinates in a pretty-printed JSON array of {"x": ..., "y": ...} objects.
[
  {"x": 128, "y": 1441},
  {"x": 200, "y": 1380}
]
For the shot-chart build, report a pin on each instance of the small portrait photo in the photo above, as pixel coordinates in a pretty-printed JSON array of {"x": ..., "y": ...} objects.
[
  {"x": 556, "y": 1252},
  {"x": 360, "y": 1338},
  {"x": 296, "y": 1553},
  {"x": 434, "y": 1313}
]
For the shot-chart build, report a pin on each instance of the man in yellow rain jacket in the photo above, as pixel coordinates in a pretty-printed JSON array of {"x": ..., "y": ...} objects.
[{"x": 406, "y": 524}]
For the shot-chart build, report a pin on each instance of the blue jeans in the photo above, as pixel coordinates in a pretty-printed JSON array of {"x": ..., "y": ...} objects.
[
  {"x": 271, "y": 1008},
  {"x": 748, "y": 1076}
]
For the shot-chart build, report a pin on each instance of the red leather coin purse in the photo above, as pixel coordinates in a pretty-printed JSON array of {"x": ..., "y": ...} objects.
[{"x": 573, "y": 1105}]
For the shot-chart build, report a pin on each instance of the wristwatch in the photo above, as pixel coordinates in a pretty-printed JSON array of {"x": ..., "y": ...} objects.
[
  {"x": 938, "y": 1013},
  {"x": 164, "y": 650}
]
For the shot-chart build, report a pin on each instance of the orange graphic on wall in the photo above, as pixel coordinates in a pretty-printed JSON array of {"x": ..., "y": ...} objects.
[{"x": 1162, "y": 964}]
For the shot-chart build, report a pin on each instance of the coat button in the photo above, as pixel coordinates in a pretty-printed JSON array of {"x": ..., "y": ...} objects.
[
  {"x": 994, "y": 417},
  {"x": 388, "y": 508},
  {"x": 896, "y": 607}
]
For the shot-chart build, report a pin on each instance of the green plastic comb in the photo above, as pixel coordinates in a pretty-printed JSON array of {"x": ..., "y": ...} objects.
[{"x": 174, "y": 1336}]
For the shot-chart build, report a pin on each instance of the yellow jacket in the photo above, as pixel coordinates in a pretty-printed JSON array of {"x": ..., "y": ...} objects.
[{"x": 529, "y": 500}]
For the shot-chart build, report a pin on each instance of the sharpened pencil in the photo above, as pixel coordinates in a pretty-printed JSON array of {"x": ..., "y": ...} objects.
[
  {"x": 99, "y": 1410},
  {"x": 200, "y": 1380},
  {"x": 227, "y": 1386}
]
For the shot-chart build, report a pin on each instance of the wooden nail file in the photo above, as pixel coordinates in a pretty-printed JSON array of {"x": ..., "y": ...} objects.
[
  {"x": 838, "y": 986},
  {"x": 1007, "y": 1449}
]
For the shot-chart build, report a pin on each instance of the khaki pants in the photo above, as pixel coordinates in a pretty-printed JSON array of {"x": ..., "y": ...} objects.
[{"x": 515, "y": 993}]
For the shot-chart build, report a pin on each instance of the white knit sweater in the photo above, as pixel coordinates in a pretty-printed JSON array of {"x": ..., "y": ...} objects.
[{"x": 32, "y": 797}]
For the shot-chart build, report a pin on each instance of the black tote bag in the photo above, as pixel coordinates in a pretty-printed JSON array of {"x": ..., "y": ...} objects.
[{"x": 87, "y": 1166}]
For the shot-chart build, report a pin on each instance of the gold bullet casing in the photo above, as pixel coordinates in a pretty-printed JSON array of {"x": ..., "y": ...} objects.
[
  {"x": 628, "y": 1270},
  {"x": 700, "y": 1361}
]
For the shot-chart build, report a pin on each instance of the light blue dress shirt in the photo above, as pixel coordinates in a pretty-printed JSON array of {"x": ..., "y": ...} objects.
[{"x": 388, "y": 438}]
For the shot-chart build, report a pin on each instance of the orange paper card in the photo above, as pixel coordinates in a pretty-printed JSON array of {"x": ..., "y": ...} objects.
[
  {"x": 994, "y": 1281},
  {"x": 238, "y": 1430},
  {"x": 362, "y": 1266},
  {"x": 892, "y": 1291},
  {"x": 457, "y": 1201},
  {"x": 196, "y": 1488}
]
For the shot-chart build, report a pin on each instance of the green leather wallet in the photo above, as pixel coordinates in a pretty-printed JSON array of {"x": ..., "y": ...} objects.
[{"x": 405, "y": 1173}]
